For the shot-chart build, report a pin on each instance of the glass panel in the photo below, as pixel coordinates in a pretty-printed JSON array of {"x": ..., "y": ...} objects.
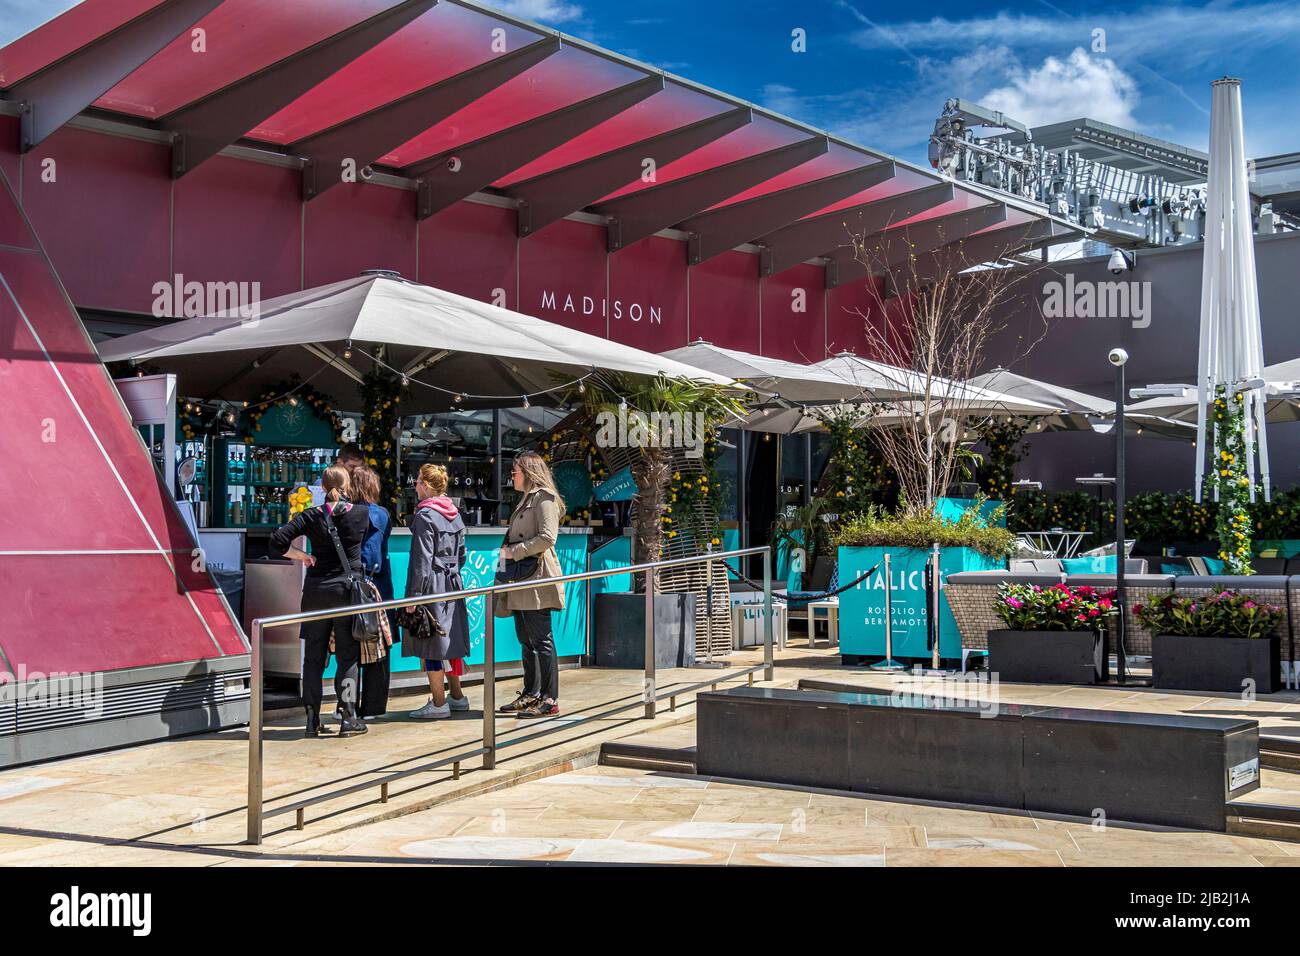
[{"x": 462, "y": 443}]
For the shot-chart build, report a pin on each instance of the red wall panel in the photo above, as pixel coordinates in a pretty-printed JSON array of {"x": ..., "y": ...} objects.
[
  {"x": 724, "y": 301},
  {"x": 562, "y": 276},
  {"x": 472, "y": 250},
  {"x": 647, "y": 294},
  {"x": 105, "y": 219},
  {"x": 848, "y": 309},
  {"x": 237, "y": 221},
  {"x": 356, "y": 226},
  {"x": 794, "y": 315}
]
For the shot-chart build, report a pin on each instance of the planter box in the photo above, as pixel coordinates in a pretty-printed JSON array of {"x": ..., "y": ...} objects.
[
  {"x": 1215, "y": 663},
  {"x": 618, "y": 639},
  {"x": 862, "y": 608},
  {"x": 1048, "y": 657}
]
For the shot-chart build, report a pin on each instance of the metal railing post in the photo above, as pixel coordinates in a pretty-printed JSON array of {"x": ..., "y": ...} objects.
[
  {"x": 489, "y": 685},
  {"x": 768, "y": 625},
  {"x": 649, "y": 679},
  {"x": 255, "y": 739}
]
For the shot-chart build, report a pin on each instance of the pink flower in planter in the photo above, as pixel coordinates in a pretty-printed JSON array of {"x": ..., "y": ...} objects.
[
  {"x": 1250, "y": 604},
  {"x": 1015, "y": 603},
  {"x": 1093, "y": 613},
  {"x": 1105, "y": 603},
  {"x": 1083, "y": 617}
]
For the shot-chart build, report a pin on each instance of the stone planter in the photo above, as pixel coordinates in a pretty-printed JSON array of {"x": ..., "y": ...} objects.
[
  {"x": 618, "y": 637},
  {"x": 1048, "y": 657},
  {"x": 1216, "y": 663}
]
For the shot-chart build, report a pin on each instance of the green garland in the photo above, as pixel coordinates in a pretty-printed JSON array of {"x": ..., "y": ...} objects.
[
  {"x": 1228, "y": 478},
  {"x": 694, "y": 500},
  {"x": 857, "y": 477},
  {"x": 381, "y": 395},
  {"x": 1006, "y": 448},
  {"x": 321, "y": 405}
]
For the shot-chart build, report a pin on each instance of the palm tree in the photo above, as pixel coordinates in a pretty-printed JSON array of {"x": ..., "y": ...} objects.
[{"x": 646, "y": 417}]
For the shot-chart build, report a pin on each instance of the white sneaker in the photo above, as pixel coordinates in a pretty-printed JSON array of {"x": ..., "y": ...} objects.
[
  {"x": 458, "y": 703},
  {"x": 430, "y": 711}
]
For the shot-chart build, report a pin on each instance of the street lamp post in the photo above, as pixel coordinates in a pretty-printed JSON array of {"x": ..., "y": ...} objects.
[{"x": 1118, "y": 357}]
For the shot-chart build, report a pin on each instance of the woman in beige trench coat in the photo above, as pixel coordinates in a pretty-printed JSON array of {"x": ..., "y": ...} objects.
[{"x": 534, "y": 527}]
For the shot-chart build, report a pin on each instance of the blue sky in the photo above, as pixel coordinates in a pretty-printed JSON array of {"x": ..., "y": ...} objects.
[{"x": 879, "y": 73}]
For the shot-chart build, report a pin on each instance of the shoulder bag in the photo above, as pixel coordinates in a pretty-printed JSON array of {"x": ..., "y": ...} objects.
[{"x": 366, "y": 628}]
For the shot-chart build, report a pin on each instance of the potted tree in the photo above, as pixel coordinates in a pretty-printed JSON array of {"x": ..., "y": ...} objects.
[
  {"x": 973, "y": 542},
  {"x": 1054, "y": 635},
  {"x": 1226, "y": 641}
]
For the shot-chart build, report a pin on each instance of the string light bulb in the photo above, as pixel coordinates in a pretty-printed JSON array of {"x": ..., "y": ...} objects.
[
  {"x": 582, "y": 387},
  {"x": 458, "y": 398},
  {"x": 347, "y": 349},
  {"x": 526, "y": 405}
]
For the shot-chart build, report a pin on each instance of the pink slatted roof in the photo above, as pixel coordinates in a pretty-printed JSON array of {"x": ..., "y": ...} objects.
[
  {"x": 65, "y": 34},
  {"x": 761, "y": 135},
  {"x": 671, "y": 108},
  {"x": 561, "y": 80},
  {"x": 436, "y": 46},
  {"x": 241, "y": 37}
]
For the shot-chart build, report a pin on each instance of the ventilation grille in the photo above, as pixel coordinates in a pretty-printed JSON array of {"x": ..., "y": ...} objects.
[{"x": 75, "y": 701}]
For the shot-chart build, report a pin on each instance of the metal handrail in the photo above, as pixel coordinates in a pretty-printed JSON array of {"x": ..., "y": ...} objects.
[{"x": 488, "y": 750}]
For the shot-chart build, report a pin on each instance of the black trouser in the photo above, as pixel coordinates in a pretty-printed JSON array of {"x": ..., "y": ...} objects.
[
  {"x": 541, "y": 666},
  {"x": 317, "y": 595}
]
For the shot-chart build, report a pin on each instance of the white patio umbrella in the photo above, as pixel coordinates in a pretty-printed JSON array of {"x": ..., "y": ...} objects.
[
  {"x": 1231, "y": 350},
  {"x": 1281, "y": 397},
  {"x": 1079, "y": 411},
  {"x": 783, "y": 388},
  {"x": 450, "y": 344}
]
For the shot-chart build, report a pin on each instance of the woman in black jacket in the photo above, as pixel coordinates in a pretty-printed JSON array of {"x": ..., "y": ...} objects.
[{"x": 327, "y": 585}]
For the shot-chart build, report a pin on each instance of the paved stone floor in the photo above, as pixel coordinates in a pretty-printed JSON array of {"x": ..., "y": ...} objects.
[{"x": 181, "y": 802}]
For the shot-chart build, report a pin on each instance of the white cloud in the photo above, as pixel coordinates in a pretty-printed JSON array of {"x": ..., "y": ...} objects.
[
  {"x": 1080, "y": 85},
  {"x": 546, "y": 11}
]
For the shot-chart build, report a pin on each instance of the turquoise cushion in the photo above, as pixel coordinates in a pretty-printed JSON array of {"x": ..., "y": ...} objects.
[
  {"x": 1177, "y": 570},
  {"x": 1100, "y": 564},
  {"x": 1214, "y": 565}
]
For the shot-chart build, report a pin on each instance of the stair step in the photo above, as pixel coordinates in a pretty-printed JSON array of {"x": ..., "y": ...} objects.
[
  {"x": 1273, "y": 759},
  {"x": 620, "y": 753},
  {"x": 1264, "y": 829}
]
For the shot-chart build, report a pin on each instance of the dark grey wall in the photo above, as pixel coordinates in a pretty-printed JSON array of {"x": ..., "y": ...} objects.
[{"x": 1072, "y": 352}]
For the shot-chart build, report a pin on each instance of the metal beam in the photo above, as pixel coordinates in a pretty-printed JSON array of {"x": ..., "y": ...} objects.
[
  {"x": 450, "y": 176},
  {"x": 807, "y": 238},
  {"x": 712, "y": 233},
  {"x": 961, "y": 255},
  {"x": 893, "y": 247},
  {"x": 56, "y": 93},
  {"x": 645, "y": 212},
  {"x": 203, "y": 128},
  {"x": 365, "y": 138},
  {"x": 551, "y": 196}
]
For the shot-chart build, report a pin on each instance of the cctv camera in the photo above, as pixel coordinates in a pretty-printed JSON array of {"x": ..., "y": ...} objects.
[
  {"x": 1117, "y": 357},
  {"x": 367, "y": 172},
  {"x": 1119, "y": 263}
]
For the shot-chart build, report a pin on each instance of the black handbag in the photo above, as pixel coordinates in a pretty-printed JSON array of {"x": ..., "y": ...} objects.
[
  {"x": 366, "y": 628},
  {"x": 513, "y": 570}
]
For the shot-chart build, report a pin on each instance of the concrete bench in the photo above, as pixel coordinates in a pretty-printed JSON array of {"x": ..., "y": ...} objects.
[{"x": 1166, "y": 769}]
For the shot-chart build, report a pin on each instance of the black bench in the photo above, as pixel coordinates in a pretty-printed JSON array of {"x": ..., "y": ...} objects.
[{"x": 1167, "y": 769}]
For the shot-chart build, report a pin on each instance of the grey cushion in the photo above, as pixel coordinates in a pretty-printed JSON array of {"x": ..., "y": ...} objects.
[
  {"x": 1134, "y": 580},
  {"x": 1229, "y": 582},
  {"x": 1036, "y": 565}
]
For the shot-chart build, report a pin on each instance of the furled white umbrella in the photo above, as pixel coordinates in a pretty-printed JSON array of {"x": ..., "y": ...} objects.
[
  {"x": 461, "y": 351},
  {"x": 1231, "y": 350}
]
